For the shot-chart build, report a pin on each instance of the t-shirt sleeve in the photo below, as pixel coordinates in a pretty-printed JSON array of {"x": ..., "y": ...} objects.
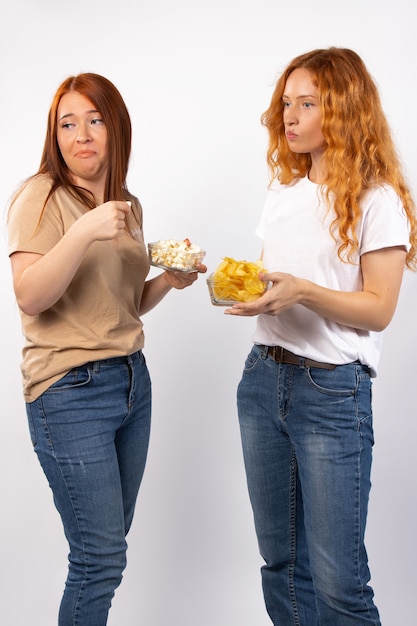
[
  {"x": 385, "y": 223},
  {"x": 26, "y": 231}
]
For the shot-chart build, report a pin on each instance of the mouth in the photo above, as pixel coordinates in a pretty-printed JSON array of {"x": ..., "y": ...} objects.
[
  {"x": 290, "y": 135},
  {"x": 84, "y": 154}
]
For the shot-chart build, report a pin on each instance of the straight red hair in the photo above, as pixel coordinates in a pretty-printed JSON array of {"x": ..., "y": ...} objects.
[{"x": 107, "y": 100}]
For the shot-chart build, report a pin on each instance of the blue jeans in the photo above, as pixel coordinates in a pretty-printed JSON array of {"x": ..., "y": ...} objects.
[
  {"x": 90, "y": 431},
  {"x": 307, "y": 442}
]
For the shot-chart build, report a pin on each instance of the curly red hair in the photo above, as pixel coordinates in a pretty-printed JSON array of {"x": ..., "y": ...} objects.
[{"x": 359, "y": 150}]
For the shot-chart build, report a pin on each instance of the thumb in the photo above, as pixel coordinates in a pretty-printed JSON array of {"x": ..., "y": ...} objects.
[{"x": 273, "y": 277}]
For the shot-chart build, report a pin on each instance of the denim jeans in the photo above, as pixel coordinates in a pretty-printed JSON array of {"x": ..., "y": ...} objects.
[
  {"x": 90, "y": 431},
  {"x": 307, "y": 443}
]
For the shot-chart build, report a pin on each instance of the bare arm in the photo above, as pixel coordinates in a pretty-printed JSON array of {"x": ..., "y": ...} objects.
[
  {"x": 156, "y": 288},
  {"x": 40, "y": 280},
  {"x": 370, "y": 309}
]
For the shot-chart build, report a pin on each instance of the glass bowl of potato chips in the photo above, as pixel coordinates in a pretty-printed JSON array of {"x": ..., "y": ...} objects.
[{"x": 236, "y": 281}]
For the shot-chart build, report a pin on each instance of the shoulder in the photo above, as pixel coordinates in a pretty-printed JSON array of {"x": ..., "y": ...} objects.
[
  {"x": 33, "y": 192},
  {"x": 384, "y": 221},
  {"x": 381, "y": 193},
  {"x": 276, "y": 185},
  {"x": 297, "y": 187},
  {"x": 382, "y": 200},
  {"x": 39, "y": 184},
  {"x": 300, "y": 192}
]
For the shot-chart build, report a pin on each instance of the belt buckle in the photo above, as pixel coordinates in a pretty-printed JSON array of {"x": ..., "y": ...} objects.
[{"x": 278, "y": 354}]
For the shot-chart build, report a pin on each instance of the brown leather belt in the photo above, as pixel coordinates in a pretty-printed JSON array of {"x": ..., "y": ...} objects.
[{"x": 281, "y": 355}]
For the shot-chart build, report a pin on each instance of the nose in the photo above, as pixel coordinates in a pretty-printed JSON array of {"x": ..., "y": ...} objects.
[
  {"x": 289, "y": 116},
  {"x": 83, "y": 135}
]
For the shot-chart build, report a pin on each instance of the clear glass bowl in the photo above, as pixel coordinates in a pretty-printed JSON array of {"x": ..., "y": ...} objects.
[
  {"x": 214, "y": 300},
  {"x": 217, "y": 301},
  {"x": 175, "y": 255}
]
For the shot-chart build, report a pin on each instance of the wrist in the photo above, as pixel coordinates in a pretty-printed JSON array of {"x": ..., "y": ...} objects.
[
  {"x": 166, "y": 279},
  {"x": 304, "y": 290}
]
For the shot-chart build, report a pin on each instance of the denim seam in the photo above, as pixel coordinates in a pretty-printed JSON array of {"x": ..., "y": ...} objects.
[
  {"x": 358, "y": 508},
  {"x": 71, "y": 499},
  {"x": 293, "y": 555},
  {"x": 358, "y": 522}
]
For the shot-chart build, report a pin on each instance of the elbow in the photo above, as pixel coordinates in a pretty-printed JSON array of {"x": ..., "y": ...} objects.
[
  {"x": 28, "y": 306},
  {"x": 29, "y": 309},
  {"x": 380, "y": 323},
  {"x": 378, "y": 328},
  {"x": 33, "y": 301}
]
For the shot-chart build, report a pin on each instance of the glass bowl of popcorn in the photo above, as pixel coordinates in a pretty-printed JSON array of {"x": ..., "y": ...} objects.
[{"x": 178, "y": 256}]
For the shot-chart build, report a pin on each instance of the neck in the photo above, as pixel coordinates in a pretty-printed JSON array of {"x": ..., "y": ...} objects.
[
  {"x": 96, "y": 189},
  {"x": 317, "y": 172}
]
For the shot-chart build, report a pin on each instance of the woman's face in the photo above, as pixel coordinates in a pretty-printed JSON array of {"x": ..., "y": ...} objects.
[
  {"x": 302, "y": 114},
  {"x": 82, "y": 140}
]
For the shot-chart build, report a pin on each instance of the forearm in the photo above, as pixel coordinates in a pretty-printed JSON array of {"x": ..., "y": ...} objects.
[
  {"x": 154, "y": 291},
  {"x": 363, "y": 310},
  {"x": 371, "y": 308},
  {"x": 41, "y": 281}
]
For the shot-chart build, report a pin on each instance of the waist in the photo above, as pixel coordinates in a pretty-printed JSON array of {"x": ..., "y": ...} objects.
[
  {"x": 282, "y": 355},
  {"x": 130, "y": 358}
]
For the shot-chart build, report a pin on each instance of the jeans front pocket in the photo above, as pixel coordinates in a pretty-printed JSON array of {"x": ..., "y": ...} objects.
[
  {"x": 340, "y": 381},
  {"x": 76, "y": 377},
  {"x": 347, "y": 388},
  {"x": 253, "y": 358}
]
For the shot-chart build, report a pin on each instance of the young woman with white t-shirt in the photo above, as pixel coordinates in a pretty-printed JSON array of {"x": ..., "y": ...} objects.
[{"x": 338, "y": 229}]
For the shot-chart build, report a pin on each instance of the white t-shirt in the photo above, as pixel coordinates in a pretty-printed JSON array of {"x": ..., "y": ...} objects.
[{"x": 294, "y": 227}]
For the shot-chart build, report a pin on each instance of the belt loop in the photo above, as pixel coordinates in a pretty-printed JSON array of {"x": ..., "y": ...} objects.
[
  {"x": 264, "y": 351},
  {"x": 96, "y": 366}
]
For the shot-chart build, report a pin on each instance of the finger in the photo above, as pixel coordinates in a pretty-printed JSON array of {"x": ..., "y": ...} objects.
[
  {"x": 124, "y": 208},
  {"x": 121, "y": 216},
  {"x": 266, "y": 278}
]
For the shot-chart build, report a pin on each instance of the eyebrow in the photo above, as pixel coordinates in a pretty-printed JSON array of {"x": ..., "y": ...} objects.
[
  {"x": 71, "y": 114},
  {"x": 300, "y": 97}
]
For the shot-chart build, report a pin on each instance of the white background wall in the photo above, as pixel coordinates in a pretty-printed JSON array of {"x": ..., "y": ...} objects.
[{"x": 196, "y": 77}]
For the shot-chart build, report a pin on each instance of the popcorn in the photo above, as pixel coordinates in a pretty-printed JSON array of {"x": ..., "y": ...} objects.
[{"x": 176, "y": 255}]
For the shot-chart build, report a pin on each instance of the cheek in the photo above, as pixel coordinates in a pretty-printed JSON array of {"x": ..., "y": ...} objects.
[
  {"x": 62, "y": 143},
  {"x": 104, "y": 143},
  {"x": 316, "y": 132},
  {"x": 319, "y": 136},
  {"x": 64, "y": 149}
]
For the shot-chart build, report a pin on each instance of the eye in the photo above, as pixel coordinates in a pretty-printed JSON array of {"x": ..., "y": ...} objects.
[
  {"x": 67, "y": 125},
  {"x": 96, "y": 121}
]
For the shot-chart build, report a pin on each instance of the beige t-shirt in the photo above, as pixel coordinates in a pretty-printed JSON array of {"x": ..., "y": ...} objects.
[{"x": 97, "y": 316}]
